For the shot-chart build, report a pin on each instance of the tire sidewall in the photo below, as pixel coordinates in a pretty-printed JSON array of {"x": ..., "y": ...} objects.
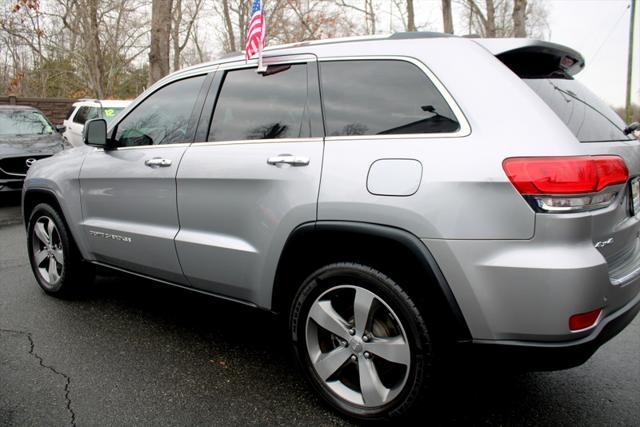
[
  {"x": 45, "y": 210},
  {"x": 386, "y": 289}
]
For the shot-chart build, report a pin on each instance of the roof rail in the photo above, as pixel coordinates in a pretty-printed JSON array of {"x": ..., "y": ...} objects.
[{"x": 418, "y": 35}]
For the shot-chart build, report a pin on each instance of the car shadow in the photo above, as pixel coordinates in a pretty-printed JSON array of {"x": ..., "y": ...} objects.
[
  {"x": 459, "y": 396},
  {"x": 10, "y": 199}
]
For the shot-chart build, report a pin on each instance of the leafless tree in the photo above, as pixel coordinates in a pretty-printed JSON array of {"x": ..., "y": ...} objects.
[
  {"x": 447, "y": 17},
  {"x": 159, "y": 49},
  {"x": 519, "y": 16},
  {"x": 506, "y": 18}
]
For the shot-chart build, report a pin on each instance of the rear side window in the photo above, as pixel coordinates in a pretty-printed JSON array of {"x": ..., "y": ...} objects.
[
  {"x": 377, "y": 97},
  {"x": 262, "y": 106}
]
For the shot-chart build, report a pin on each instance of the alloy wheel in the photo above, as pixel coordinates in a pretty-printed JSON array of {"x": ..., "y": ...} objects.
[
  {"x": 357, "y": 346},
  {"x": 48, "y": 255}
]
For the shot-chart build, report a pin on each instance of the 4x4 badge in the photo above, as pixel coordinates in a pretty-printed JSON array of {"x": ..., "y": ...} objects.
[{"x": 604, "y": 243}]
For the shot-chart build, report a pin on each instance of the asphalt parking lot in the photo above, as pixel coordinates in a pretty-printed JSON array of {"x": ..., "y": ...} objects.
[{"x": 131, "y": 352}]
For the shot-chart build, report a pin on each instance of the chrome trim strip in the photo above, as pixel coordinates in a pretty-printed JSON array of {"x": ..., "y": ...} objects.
[
  {"x": 12, "y": 174},
  {"x": 624, "y": 280},
  {"x": 139, "y": 147},
  {"x": 269, "y": 60},
  {"x": 256, "y": 141},
  {"x": 465, "y": 127},
  {"x": 166, "y": 282}
]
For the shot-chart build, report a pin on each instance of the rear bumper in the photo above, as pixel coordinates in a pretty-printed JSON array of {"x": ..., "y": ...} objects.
[{"x": 552, "y": 355}]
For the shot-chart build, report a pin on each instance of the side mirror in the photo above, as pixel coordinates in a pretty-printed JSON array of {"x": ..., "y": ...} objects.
[
  {"x": 95, "y": 133},
  {"x": 61, "y": 128}
]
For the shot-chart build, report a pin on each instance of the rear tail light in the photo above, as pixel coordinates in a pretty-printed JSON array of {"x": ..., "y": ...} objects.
[
  {"x": 566, "y": 184},
  {"x": 581, "y": 321}
]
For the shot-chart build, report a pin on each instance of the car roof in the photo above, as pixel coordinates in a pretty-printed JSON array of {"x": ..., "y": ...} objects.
[
  {"x": 19, "y": 108},
  {"x": 388, "y": 44},
  {"x": 106, "y": 103}
]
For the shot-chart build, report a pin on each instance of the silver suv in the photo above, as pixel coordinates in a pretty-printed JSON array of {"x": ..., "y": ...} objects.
[{"x": 401, "y": 199}]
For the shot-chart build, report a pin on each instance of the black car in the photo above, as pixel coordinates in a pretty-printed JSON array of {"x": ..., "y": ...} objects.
[{"x": 25, "y": 137}]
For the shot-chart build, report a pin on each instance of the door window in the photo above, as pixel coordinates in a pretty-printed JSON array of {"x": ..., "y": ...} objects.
[
  {"x": 163, "y": 117},
  {"x": 272, "y": 105},
  {"x": 373, "y": 97},
  {"x": 82, "y": 115}
]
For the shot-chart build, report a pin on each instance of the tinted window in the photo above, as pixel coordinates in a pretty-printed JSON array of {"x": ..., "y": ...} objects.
[
  {"x": 586, "y": 115},
  {"x": 382, "y": 97},
  {"x": 82, "y": 115},
  {"x": 255, "y": 106},
  {"x": 163, "y": 117},
  {"x": 23, "y": 122},
  {"x": 70, "y": 112}
]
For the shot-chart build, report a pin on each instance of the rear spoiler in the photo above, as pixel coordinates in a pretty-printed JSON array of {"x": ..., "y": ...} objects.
[{"x": 535, "y": 58}]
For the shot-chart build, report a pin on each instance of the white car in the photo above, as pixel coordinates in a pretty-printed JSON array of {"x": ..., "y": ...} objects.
[{"x": 87, "y": 109}]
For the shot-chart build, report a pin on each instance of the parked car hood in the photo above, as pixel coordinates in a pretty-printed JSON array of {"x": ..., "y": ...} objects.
[{"x": 15, "y": 145}]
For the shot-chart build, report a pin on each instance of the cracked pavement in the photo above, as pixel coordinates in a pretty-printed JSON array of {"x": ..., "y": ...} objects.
[{"x": 131, "y": 352}]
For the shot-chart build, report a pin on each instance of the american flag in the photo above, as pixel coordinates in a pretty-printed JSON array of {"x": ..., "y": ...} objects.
[{"x": 255, "y": 31}]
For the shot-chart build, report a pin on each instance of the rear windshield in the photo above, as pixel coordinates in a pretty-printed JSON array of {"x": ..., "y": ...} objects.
[
  {"x": 586, "y": 115},
  {"x": 23, "y": 122}
]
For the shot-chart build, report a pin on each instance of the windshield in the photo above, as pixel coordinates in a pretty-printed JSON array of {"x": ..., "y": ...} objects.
[
  {"x": 24, "y": 122},
  {"x": 586, "y": 115},
  {"x": 110, "y": 113}
]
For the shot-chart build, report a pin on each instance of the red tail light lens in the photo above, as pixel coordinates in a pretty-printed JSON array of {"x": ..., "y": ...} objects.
[
  {"x": 565, "y": 175},
  {"x": 584, "y": 320}
]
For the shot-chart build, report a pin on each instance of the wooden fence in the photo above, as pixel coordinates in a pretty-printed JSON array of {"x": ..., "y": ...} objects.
[{"x": 56, "y": 109}]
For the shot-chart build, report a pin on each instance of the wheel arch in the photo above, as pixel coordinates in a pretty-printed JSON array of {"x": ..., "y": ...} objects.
[
  {"x": 34, "y": 196},
  {"x": 395, "y": 251}
]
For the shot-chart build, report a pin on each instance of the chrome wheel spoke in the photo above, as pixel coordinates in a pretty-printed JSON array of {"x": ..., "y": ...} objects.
[
  {"x": 50, "y": 227},
  {"x": 362, "y": 303},
  {"x": 328, "y": 363},
  {"x": 347, "y": 359},
  {"x": 374, "y": 393},
  {"x": 40, "y": 256},
  {"x": 327, "y": 318},
  {"x": 393, "y": 349},
  {"x": 58, "y": 255},
  {"x": 41, "y": 233},
  {"x": 53, "y": 270}
]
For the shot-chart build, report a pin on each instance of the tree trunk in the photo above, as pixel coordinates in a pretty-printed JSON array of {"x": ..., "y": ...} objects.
[
  {"x": 231, "y": 38},
  {"x": 411, "y": 19},
  {"x": 447, "y": 17},
  {"x": 97, "y": 63},
  {"x": 490, "y": 26},
  {"x": 519, "y": 11},
  {"x": 175, "y": 36},
  {"x": 159, "y": 50}
]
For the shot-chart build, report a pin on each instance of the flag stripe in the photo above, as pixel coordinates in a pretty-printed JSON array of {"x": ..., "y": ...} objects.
[{"x": 255, "y": 31}]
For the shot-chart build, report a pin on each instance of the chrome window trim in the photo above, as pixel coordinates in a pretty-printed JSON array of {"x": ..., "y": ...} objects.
[
  {"x": 257, "y": 141},
  {"x": 465, "y": 127},
  {"x": 146, "y": 147},
  {"x": 269, "y": 60}
]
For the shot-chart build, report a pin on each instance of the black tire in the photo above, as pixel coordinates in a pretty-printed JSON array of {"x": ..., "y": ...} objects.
[
  {"x": 72, "y": 272},
  {"x": 331, "y": 278}
]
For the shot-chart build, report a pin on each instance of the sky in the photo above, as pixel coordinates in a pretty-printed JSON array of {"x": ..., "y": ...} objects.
[{"x": 598, "y": 29}]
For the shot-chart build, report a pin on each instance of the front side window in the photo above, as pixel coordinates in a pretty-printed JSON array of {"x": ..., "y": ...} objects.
[
  {"x": 162, "y": 118},
  {"x": 262, "y": 106},
  {"x": 378, "y": 97},
  {"x": 82, "y": 115},
  {"x": 24, "y": 122}
]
